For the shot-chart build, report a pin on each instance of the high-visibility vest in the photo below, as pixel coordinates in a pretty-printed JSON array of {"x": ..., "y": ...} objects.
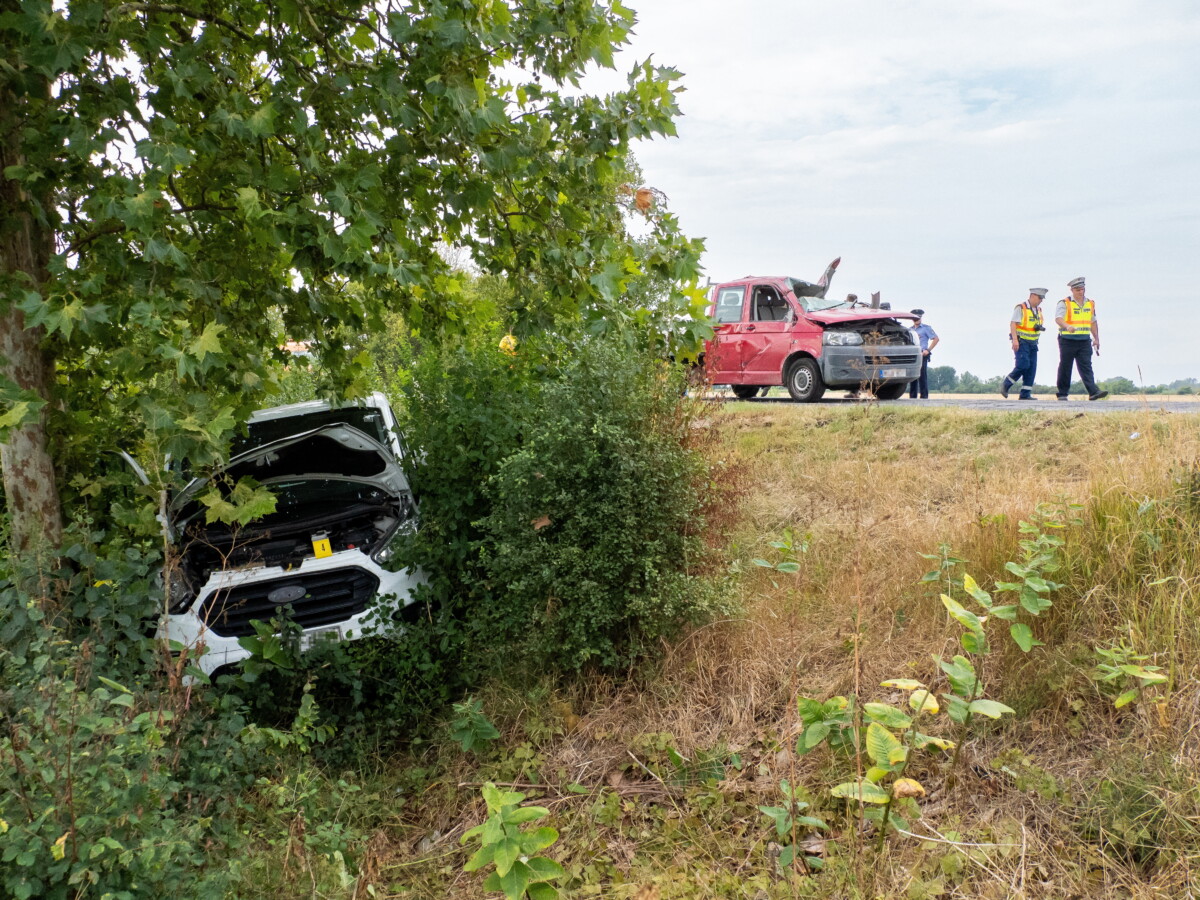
[
  {"x": 1079, "y": 317},
  {"x": 1030, "y": 317}
]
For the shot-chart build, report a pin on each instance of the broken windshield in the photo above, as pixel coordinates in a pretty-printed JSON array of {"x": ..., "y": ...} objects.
[{"x": 820, "y": 304}]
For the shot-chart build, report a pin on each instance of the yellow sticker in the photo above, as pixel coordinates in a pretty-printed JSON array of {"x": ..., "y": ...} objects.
[{"x": 321, "y": 547}]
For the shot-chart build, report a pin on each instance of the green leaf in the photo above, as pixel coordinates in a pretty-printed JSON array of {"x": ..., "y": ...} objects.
[
  {"x": 990, "y": 708},
  {"x": 1022, "y": 635},
  {"x": 538, "y": 839},
  {"x": 974, "y": 642},
  {"x": 788, "y": 567},
  {"x": 887, "y": 715},
  {"x": 814, "y": 734},
  {"x": 209, "y": 342},
  {"x": 880, "y": 743},
  {"x": 526, "y": 814},
  {"x": 810, "y": 710},
  {"x": 505, "y": 855},
  {"x": 1126, "y": 698},
  {"x": 956, "y": 708},
  {"x": 544, "y": 868},
  {"x": 539, "y": 890},
  {"x": 864, "y": 792},
  {"x": 515, "y": 880},
  {"x": 482, "y": 857},
  {"x": 960, "y": 614},
  {"x": 961, "y": 675}
]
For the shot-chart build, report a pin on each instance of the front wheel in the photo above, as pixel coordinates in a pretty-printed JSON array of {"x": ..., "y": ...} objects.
[
  {"x": 891, "y": 391},
  {"x": 744, "y": 391},
  {"x": 804, "y": 382}
]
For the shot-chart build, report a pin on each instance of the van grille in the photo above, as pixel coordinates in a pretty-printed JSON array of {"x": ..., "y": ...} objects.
[
  {"x": 894, "y": 359},
  {"x": 320, "y": 598}
]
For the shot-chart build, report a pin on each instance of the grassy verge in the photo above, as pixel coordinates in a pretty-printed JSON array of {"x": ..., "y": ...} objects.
[{"x": 654, "y": 782}]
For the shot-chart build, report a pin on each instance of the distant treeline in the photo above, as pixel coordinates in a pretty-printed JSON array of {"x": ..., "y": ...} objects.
[{"x": 946, "y": 380}]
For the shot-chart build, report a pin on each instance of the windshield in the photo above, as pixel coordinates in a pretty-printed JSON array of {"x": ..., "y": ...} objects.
[{"x": 820, "y": 304}]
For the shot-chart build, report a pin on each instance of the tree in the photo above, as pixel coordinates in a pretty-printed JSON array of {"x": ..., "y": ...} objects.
[
  {"x": 1119, "y": 385},
  {"x": 184, "y": 186},
  {"x": 970, "y": 384},
  {"x": 943, "y": 378}
]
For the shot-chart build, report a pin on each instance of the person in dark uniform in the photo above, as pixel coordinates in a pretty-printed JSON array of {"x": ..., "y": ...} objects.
[
  {"x": 1078, "y": 336},
  {"x": 1025, "y": 328}
]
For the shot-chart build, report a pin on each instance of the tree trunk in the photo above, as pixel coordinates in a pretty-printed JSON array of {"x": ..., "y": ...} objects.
[{"x": 26, "y": 245}]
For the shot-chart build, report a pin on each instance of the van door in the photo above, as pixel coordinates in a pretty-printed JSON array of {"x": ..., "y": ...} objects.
[
  {"x": 765, "y": 338},
  {"x": 722, "y": 360}
]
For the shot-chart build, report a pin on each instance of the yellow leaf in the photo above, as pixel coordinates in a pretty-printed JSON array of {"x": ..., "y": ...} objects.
[
  {"x": 904, "y": 684},
  {"x": 907, "y": 787},
  {"x": 59, "y": 850},
  {"x": 924, "y": 701}
]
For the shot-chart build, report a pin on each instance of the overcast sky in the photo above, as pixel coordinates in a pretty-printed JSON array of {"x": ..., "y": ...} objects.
[{"x": 954, "y": 154}]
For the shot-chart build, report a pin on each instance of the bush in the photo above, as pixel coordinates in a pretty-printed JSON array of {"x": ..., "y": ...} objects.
[
  {"x": 561, "y": 504},
  {"x": 107, "y": 788},
  {"x": 592, "y": 541}
]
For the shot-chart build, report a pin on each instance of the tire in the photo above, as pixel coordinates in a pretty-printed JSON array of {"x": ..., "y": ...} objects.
[
  {"x": 744, "y": 391},
  {"x": 803, "y": 381},
  {"x": 891, "y": 391}
]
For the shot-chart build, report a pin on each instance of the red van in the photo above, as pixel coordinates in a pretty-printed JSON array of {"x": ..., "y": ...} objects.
[{"x": 783, "y": 331}]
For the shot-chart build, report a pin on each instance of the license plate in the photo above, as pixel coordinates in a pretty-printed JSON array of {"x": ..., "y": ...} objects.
[
  {"x": 892, "y": 373},
  {"x": 309, "y": 638}
]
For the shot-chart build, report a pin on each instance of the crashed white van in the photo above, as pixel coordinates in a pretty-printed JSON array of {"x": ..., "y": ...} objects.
[{"x": 342, "y": 503}]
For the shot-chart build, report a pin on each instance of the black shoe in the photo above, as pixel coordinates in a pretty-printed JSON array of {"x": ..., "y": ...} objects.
[
  {"x": 1099, "y": 395},
  {"x": 1024, "y": 397},
  {"x": 1004, "y": 388},
  {"x": 1062, "y": 398}
]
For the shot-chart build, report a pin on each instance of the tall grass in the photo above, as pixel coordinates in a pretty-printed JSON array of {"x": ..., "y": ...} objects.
[{"x": 1070, "y": 798}]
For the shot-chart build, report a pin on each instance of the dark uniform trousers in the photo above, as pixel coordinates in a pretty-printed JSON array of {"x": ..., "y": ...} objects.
[
  {"x": 1078, "y": 352},
  {"x": 1025, "y": 366}
]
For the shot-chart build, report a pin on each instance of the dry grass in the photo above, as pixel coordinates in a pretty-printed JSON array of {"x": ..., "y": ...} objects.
[{"x": 873, "y": 488}]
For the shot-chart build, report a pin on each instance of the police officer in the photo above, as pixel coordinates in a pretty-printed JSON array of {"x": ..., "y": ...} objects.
[
  {"x": 1078, "y": 335},
  {"x": 1024, "y": 328},
  {"x": 927, "y": 338}
]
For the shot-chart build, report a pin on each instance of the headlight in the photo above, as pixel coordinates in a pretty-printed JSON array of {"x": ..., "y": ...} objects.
[
  {"x": 841, "y": 338},
  {"x": 405, "y": 526},
  {"x": 181, "y": 592}
]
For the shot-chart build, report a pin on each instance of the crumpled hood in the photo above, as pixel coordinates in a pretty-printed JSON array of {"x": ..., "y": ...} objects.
[
  {"x": 842, "y": 316},
  {"x": 330, "y": 452}
]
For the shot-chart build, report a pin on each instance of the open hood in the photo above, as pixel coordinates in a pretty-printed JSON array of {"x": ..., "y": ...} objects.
[
  {"x": 842, "y": 316},
  {"x": 335, "y": 452}
]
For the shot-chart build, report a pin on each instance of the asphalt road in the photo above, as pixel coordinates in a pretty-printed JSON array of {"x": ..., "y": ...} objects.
[{"x": 1126, "y": 403}]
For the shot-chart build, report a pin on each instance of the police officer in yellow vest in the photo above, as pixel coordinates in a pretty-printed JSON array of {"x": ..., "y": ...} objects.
[
  {"x": 1024, "y": 329},
  {"x": 1078, "y": 334}
]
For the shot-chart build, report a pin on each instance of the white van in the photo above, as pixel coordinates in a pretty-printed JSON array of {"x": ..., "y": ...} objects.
[{"x": 342, "y": 502}]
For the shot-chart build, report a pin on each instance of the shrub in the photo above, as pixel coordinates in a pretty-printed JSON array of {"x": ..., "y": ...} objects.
[
  {"x": 561, "y": 503},
  {"x": 592, "y": 540},
  {"x": 107, "y": 788}
]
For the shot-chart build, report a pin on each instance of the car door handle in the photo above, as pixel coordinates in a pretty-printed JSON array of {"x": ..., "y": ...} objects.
[{"x": 749, "y": 327}]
